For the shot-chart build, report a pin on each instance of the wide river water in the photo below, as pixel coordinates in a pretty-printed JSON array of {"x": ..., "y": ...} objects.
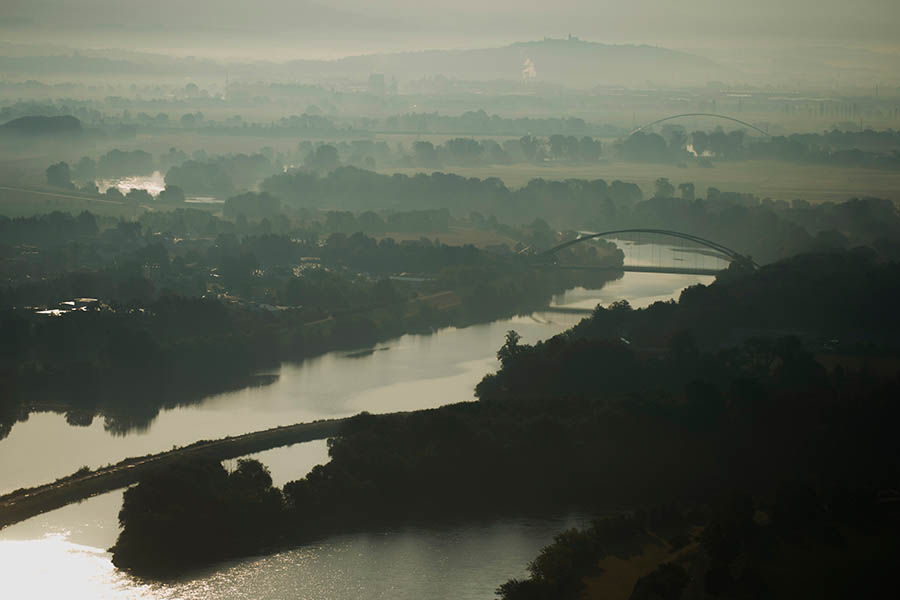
[{"x": 62, "y": 554}]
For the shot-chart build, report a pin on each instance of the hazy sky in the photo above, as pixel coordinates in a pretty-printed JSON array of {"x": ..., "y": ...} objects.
[{"x": 393, "y": 24}]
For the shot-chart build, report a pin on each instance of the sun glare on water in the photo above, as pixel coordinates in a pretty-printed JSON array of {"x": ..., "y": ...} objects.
[
  {"x": 54, "y": 567},
  {"x": 154, "y": 183}
]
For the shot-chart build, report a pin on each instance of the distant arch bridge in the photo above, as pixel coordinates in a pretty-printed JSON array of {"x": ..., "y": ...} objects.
[
  {"x": 712, "y": 115},
  {"x": 719, "y": 250}
]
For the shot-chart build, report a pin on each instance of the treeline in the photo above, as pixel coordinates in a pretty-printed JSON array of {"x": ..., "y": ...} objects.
[
  {"x": 526, "y": 149},
  {"x": 766, "y": 229},
  {"x": 198, "y": 174},
  {"x": 413, "y": 221},
  {"x": 480, "y": 122},
  {"x": 265, "y": 206},
  {"x": 835, "y": 149},
  {"x": 83, "y": 110},
  {"x": 57, "y": 257},
  {"x": 59, "y": 132},
  {"x": 349, "y": 188},
  {"x": 222, "y": 175},
  {"x": 869, "y": 149},
  {"x": 459, "y": 151},
  {"x": 261, "y": 267},
  {"x": 184, "y": 113},
  {"x": 311, "y": 121},
  {"x": 51, "y": 229}
]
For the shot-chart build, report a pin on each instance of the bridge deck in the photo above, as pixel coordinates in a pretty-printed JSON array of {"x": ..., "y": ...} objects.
[
  {"x": 567, "y": 310},
  {"x": 635, "y": 269},
  {"x": 23, "y": 504}
]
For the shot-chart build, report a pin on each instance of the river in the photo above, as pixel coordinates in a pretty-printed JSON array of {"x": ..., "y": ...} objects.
[{"x": 62, "y": 553}]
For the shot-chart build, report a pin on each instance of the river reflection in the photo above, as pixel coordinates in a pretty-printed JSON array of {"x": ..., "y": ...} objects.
[
  {"x": 417, "y": 371},
  {"x": 461, "y": 561},
  {"x": 640, "y": 289},
  {"x": 61, "y": 554},
  {"x": 153, "y": 183},
  {"x": 414, "y": 371}
]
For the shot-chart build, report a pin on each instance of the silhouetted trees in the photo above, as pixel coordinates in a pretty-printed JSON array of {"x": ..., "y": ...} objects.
[
  {"x": 172, "y": 194},
  {"x": 849, "y": 149},
  {"x": 196, "y": 512},
  {"x": 664, "y": 188},
  {"x": 252, "y": 205},
  {"x": 120, "y": 163},
  {"x": 324, "y": 159},
  {"x": 349, "y": 188},
  {"x": 200, "y": 179},
  {"x": 59, "y": 175}
]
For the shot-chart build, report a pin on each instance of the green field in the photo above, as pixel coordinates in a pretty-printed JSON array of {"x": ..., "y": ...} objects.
[
  {"x": 23, "y": 188},
  {"x": 779, "y": 181}
]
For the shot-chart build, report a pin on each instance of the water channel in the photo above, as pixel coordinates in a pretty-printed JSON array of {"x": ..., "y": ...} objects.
[{"x": 62, "y": 553}]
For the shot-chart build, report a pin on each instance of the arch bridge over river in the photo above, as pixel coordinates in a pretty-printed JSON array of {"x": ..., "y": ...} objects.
[
  {"x": 705, "y": 115},
  {"x": 693, "y": 255}
]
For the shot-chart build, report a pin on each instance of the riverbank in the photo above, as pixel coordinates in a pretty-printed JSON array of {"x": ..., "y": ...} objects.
[{"x": 196, "y": 348}]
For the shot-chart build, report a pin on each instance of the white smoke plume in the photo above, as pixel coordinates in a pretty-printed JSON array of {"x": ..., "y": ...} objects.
[{"x": 528, "y": 70}]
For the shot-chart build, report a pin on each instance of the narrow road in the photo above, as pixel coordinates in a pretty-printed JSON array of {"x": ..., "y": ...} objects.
[
  {"x": 26, "y": 503},
  {"x": 568, "y": 310},
  {"x": 58, "y": 195},
  {"x": 633, "y": 269}
]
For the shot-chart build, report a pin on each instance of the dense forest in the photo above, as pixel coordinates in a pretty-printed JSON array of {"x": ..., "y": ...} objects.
[{"x": 868, "y": 148}]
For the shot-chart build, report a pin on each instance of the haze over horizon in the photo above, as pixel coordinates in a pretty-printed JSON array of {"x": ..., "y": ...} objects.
[{"x": 309, "y": 29}]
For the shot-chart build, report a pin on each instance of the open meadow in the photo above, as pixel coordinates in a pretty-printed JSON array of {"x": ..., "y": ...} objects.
[{"x": 766, "y": 179}]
